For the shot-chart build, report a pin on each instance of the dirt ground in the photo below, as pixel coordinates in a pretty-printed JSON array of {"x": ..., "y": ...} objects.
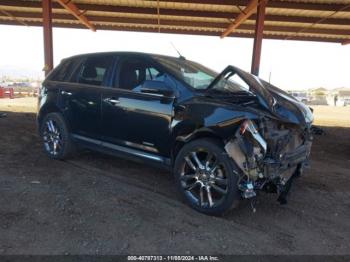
[{"x": 96, "y": 204}]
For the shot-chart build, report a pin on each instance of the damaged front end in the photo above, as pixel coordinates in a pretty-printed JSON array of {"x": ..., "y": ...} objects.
[{"x": 269, "y": 154}]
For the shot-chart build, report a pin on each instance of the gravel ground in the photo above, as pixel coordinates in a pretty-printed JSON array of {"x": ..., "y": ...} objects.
[{"x": 96, "y": 204}]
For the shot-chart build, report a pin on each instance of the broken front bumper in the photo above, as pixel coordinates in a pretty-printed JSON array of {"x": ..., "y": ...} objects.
[
  {"x": 289, "y": 161},
  {"x": 250, "y": 154}
]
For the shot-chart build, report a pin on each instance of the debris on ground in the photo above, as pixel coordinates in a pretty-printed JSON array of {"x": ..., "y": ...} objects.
[{"x": 316, "y": 130}]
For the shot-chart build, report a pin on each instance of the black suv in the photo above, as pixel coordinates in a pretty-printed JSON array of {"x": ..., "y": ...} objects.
[{"x": 224, "y": 135}]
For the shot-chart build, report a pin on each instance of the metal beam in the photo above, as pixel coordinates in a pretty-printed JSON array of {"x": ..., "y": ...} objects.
[
  {"x": 179, "y": 31},
  {"x": 170, "y": 22},
  {"x": 182, "y": 23},
  {"x": 13, "y": 17},
  {"x": 259, "y": 30},
  {"x": 310, "y": 6},
  {"x": 275, "y": 18},
  {"x": 272, "y": 4},
  {"x": 303, "y": 29},
  {"x": 74, "y": 10},
  {"x": 47, "y": 28},
  {"x": 246, "y": 12},
  {"x": 197, "y": 13}
]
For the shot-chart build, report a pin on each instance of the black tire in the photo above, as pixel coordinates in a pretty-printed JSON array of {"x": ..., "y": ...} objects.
[
  {"x": 228, "y": 171},
  {"x": 65, "y": 147}
]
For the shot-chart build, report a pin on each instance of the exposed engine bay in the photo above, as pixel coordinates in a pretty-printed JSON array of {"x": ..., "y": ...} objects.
[{"x": 269, "y": 154}]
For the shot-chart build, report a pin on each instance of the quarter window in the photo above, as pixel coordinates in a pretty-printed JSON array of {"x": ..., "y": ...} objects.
[{"x": 65, "y": 70}]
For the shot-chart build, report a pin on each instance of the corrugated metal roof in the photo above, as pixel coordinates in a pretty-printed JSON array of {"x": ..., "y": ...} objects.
[{"x": 318, "y": 20}]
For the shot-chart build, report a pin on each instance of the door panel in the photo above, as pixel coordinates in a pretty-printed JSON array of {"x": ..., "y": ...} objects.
[
  {"x": 82, "y": 107},
  {"x": 137, "y": 120},
  {"x": 132, "y": 118},
  {"x": 81, "y": 97}
]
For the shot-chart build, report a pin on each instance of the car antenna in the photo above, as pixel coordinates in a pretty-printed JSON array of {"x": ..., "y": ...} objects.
[{"x": 180, "y": 56}]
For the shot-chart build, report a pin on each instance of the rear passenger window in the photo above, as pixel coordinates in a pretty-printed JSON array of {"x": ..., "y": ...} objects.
[{"x": 94, "y": 70}]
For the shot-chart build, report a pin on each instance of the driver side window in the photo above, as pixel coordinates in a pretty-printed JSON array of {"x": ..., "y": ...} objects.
[{"x": 134, "y": 72}]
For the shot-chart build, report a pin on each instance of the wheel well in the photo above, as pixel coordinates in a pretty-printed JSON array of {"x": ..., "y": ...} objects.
[
  {"x": 46, "y": 110},
  {"x": 179, "y": 144}
]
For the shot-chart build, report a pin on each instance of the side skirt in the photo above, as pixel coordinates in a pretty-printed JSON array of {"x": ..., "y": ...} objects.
[{"x": 123, "y": 152}]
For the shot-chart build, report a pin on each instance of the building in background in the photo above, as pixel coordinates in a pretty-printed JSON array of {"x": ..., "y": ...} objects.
[
  {"x": 342, "y": 96},
  {"x": 302, "y": 96}
]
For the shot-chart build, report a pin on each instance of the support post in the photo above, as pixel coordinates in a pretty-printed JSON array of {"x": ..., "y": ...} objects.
[
  {"x": 47, "y": 28},
  {"x": 259, "y": 29}
]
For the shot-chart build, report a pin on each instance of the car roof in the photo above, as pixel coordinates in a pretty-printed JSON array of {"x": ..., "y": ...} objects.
[{"x": 141, "y": 54}]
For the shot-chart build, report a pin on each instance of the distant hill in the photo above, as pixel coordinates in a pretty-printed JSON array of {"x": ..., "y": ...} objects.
[
  {"x": 318, "y": 89},
  {"x": 19, "y": 72},
  {"x": 341, "y": 89}
]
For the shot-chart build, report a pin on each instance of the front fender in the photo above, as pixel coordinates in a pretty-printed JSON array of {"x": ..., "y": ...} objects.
[{"x": 208, "y": 118}]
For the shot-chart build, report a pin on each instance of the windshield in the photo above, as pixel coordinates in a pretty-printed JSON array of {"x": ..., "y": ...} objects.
[{"x": 194, "y": 74}]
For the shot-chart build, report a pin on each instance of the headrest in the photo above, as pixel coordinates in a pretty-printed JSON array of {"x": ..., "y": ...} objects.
[{"x": 89, "y": 72}]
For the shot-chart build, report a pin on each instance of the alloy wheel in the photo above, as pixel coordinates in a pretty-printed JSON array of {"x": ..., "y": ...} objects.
[
  {"x": 52, "y": 137},
  {"x": 204, "y": 179}
]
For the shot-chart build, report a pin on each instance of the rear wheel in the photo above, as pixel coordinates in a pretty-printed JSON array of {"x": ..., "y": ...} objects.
[
  {"x": 55, "y": 136},
  {"x": 206, "y": 177}
]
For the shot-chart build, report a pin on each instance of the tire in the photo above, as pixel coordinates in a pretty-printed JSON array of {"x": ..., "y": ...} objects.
[
  {"x": 191, "y": 179},
  {"x": 53, "y": 128}
]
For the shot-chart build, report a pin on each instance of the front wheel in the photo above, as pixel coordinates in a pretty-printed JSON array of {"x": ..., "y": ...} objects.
[{"x": 207, "y": 177}]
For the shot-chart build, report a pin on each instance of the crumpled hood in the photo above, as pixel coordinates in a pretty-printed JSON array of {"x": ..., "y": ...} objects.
[
  {"x": 288, "y": 107},
  {"x": 278, "y": 102}
]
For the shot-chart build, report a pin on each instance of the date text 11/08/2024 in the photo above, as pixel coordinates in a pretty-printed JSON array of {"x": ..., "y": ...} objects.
[{"x": 173, "y": 258}]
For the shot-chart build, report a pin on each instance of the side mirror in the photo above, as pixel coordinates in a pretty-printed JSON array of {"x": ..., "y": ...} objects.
[{"x": 156, "y": 87}]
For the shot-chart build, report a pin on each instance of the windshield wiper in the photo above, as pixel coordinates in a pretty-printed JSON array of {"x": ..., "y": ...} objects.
[{"x": 239, "y": 96}]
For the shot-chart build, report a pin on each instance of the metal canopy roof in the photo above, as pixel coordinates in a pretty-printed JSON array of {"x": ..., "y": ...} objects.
[{"x": 315, "y": 20}]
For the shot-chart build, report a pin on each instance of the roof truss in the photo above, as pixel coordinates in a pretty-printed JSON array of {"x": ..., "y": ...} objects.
[
  {"x": 245, "y": 13},
  {"x": 284, "y": 19},
  {"x": 74, "y": 10}
]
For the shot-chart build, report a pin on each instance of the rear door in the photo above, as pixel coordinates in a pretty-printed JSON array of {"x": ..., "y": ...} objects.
[
  {"x": 132, "y": 118},
  {"x": 81, "y": 96},
  {"x": 59, "y": 82}
]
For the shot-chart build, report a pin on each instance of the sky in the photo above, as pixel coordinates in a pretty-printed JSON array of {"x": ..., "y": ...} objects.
[{"x": 289, "y": 64}]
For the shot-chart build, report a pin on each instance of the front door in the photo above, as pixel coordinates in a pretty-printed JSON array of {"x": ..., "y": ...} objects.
[{"x": 135, "y": 119}]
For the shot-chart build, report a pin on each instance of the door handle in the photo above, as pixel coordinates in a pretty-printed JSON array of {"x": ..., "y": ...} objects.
[
  {"x": 66, "y": 93},
  {"x": 111, "y": 101}
]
